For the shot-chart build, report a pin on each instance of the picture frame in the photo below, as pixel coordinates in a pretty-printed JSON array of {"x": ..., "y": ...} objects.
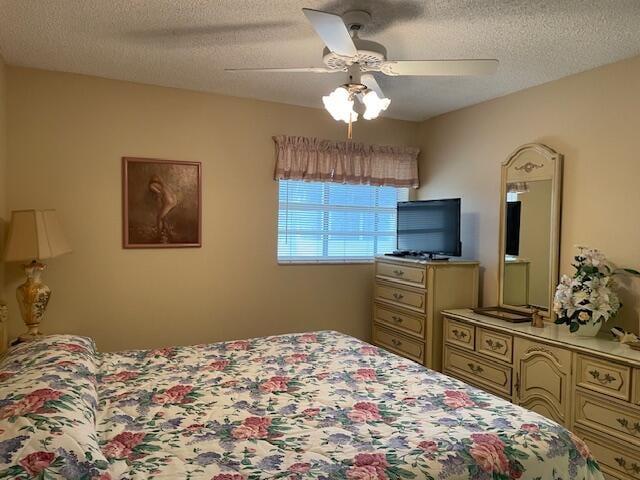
[{"x": 161, "y": 203}]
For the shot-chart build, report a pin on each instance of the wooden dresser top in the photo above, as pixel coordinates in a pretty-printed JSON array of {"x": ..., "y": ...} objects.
[
  {"x": 391, "y": 258},
  {"x": 559, "y": 335}
]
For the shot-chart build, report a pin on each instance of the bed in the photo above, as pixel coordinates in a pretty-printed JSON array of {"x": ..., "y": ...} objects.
[{"x": 316, "y": 405}]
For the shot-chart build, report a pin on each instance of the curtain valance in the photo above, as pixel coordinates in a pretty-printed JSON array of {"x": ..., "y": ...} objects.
[{"x": 303, "y": 158}]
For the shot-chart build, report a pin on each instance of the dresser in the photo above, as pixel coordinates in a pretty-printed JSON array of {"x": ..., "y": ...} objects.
[
  {"x": 408, "y": 298},
  {"x": 589, "y": 385}
]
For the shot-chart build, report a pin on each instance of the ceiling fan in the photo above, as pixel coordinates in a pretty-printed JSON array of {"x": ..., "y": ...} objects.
[{"x": 346, "y": 52}]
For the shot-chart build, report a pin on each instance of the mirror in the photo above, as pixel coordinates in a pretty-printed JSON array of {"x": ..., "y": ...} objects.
[{"x": 530, "y": 229}]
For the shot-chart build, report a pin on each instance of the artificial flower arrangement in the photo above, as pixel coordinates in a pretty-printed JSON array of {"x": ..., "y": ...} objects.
[{"x": 587, "y": 301}]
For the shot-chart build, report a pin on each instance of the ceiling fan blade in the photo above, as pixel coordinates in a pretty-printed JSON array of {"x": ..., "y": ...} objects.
[
  {"x": 284, "y": 70},
  {"x": 370, "y": 81},
  {"x": 332, "y": 31},
  {"x": 439, "y": 67}
]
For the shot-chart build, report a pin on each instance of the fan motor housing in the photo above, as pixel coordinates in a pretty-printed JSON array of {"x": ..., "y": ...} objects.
[
  {"x": 356, "y": 19},
  {"x": 370, "y": 56}
]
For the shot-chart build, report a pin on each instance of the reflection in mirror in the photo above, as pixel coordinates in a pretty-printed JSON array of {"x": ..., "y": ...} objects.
[
  {"x": 530, "y": 222},
  {"x": 528, "y": 226}
]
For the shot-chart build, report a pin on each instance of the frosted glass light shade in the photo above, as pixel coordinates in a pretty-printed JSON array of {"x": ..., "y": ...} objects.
[
  {"x": 35, "y": 235},
  {"x": 374, "y": 105},
  {"x": 340, "y": 105}
]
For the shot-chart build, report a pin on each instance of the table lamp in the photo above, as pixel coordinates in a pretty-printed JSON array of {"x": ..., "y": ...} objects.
[{"x": 34, "y": 235}]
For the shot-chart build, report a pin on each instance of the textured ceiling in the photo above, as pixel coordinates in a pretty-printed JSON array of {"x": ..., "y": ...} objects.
[{"x": 188, "y": 43}]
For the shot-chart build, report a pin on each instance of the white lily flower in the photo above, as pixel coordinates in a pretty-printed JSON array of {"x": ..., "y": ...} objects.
[{"x": 590, "y": 291}]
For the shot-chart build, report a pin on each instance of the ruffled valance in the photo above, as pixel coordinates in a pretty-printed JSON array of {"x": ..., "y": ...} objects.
[{"x": 313, "y": 159}]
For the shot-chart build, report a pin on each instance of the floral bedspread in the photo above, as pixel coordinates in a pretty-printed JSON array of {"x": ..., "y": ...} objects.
[{"x": 305, "y": 406}]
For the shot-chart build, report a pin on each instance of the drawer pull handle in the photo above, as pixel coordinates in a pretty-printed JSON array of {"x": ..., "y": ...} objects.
[
  {"x": 475, "y": 368},
  {"x": 398, "y": 296},
  {"x": 459, "y": 334},
  {"x": 606, "y": 379},
  {"x": 396, "y": 319},
  {"x": 625, "y": 423},
  {"x": 634, "y": 467},
  {"x": 494, "y": 345},
  {"x": 396, "y": 342},
  {"x": 398, "y": 273}
]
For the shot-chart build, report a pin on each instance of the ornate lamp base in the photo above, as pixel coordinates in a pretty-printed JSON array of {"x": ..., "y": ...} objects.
[{"x": 33, "y": 297}]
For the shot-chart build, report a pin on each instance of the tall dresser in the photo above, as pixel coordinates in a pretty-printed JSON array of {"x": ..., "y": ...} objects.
[
  {"x": 409, "y": 296},
  {"x": 589, "y": 385}
]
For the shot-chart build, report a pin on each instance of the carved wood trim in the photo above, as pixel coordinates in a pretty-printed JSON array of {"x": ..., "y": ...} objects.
[
  {"x": 544, "y": 350},
  {"x": 529, "y": 167}
]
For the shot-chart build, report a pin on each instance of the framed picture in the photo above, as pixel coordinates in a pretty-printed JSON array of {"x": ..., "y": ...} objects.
[{"x": 162, "y": 203}]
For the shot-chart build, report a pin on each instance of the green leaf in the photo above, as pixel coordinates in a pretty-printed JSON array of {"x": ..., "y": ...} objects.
[
  {"x": 574, "y": 327},
  {"x": 630, "y": 271},
  {"x": 518, "y": 454},
  {"x": 593, "y": 465},
  {"x": 13, "y": 472},
  {"x": 397, "y": 473}
]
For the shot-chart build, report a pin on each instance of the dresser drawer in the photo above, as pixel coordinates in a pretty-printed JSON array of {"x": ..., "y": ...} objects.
[
  {"x": 494, "y": 344},
  {"x": 400, "y": 296},
  {"x": 397, "y": 343},
  {"x": 636, "y": 386},
  {"x": 478, "y": 372},
  {"x": 399, "y": 320},
  {"x": 602, "y": 376},
  {"x": 618, "y": 461},
  {"x": 410, "y": 275},
  {"x": 459, "y": 333},
  {"x": 604, "y": 415}
]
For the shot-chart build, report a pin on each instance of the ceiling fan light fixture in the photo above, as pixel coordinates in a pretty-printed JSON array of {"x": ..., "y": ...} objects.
[
  {"x": 339, "y": 104},
  {"x": 374, "y": 105}
]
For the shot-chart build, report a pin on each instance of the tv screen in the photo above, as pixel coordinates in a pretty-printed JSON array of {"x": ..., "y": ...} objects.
[
  {"x": 512, "y": 243},
  {"x": 430, "y": 227}
]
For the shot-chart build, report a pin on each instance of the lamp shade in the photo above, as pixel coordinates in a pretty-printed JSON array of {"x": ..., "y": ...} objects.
[{"x": 35, "y": 235}]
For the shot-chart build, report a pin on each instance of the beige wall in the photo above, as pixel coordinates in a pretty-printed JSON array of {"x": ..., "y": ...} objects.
[
  {"x": 68, "y": 133},
  {"x": 592, "y": 118},
  {"x": 3, "y": 167}
]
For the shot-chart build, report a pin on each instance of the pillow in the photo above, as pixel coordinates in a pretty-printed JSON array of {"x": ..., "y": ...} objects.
[{"x": 48, "y": 402}]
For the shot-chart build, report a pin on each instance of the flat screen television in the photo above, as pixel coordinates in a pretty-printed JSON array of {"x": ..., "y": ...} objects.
[
  {"x": 512, "y": 243},
  {"x": 430, "y": 227}
]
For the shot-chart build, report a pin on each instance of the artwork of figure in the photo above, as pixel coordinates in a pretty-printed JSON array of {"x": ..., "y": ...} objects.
[
  {"x": 161, "y": 203},
  {"x": 166, "y": 200}
]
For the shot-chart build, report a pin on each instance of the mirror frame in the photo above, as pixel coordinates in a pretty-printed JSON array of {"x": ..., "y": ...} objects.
[{"x": 555, "y": 159}]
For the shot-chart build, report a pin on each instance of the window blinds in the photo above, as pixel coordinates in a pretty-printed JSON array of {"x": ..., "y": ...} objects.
[{"x": 334, "y": 222}]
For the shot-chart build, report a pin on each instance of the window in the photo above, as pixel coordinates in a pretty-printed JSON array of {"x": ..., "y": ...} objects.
[{"x": 333, "y": 222}]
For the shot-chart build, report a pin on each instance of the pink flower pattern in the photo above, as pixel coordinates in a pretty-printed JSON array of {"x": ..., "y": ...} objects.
[
  {"x": 238, "y": 345},
  {"x": 252, "y": 427},
  {"x": 219, "y": 365},
  {"x": 488, "y": 452},
  {"x": 120, "y": 377},
  {"x": 275, "y": 384},
  {"x": 457, "y": 399},
  {"x": 173, "y": 395},
  {"x": 34, "y": 402},
  {"x": 122, "y": 445},
  {"x": 365, "y": 374},
  {"x": 364, "y": 412},
  {"x": 37, "y": 462}
]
